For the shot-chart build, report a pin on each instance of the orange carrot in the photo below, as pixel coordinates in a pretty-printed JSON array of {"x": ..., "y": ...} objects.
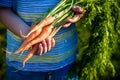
[
  {"x": 33, "y": 35},
  {"x": 43, "y": 35},
  {"x": 28, "y": 39},
  {"x": 30, "y": 54},
  {"x": 47, "y": 21},
  {"x": 34, "y": 32},
  {"x": 25, "y": 36}
]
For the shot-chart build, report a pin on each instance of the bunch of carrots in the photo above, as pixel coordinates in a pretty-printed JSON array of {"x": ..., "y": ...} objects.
[{"x": 42, "y": 30}]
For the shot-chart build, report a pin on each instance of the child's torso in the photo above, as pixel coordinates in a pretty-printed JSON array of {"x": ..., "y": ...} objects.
[{"x": 66, "y": 39}]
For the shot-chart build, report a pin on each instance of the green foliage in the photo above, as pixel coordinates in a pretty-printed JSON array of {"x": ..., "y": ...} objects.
[
  {"x": 101, "y": 21},
  {"x": 2, "y": 53}
]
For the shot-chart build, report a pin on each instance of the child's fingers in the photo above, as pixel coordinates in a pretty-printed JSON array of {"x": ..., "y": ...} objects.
[
  {"x": 40, "y": 50},
  {"x": 44, "y": 44},
  {"x": 52, "y": 42},
  {"x": 48, "y": 41}
]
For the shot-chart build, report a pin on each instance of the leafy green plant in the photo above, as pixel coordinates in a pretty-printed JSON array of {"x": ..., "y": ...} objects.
[
  {"x": 102, "y": 21},
  {"x": 2, "y": 53}
]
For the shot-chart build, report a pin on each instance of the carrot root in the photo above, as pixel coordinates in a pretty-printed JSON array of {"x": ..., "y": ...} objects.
[
  {"x": 43, "y": 35},
  {"x": 29, "y": 55}
]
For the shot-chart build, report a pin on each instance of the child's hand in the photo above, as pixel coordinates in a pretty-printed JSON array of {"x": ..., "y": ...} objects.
[
  {"x": 45, "y": 45},
  {"x": 39, "y": 49},
  {"x": 77, "y": 11}
]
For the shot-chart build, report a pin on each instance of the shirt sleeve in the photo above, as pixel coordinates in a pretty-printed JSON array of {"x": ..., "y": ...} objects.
[{"x": 6, "y": 3}]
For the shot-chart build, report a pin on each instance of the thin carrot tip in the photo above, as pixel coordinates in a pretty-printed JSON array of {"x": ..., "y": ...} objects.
[{"x": 21, "y": 34}]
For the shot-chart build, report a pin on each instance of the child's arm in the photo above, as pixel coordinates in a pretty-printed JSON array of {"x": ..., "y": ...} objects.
[{"x": 13, "y": 22}]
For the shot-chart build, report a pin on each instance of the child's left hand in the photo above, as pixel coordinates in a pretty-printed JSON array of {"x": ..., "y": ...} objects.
[{"x": 77, "y": 11}]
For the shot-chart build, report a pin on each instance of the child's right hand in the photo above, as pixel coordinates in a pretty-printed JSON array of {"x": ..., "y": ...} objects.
[
  {"x": 40, "y": 48},
  {"x": 45, "y": 45}
]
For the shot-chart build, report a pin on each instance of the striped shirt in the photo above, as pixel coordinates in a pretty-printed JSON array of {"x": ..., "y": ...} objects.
[{"x": 62, "y": 54}]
